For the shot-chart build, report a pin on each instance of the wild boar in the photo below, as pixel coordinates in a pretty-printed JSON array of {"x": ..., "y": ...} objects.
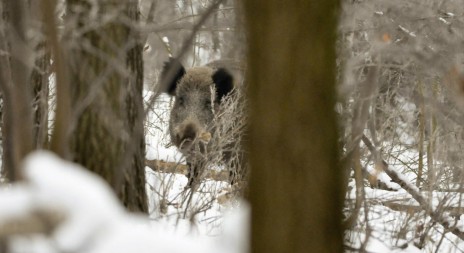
[{"x": 198, "y": 93}]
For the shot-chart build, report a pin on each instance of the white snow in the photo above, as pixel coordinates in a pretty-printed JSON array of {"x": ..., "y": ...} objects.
[
  {"x": 89, "y": 204},
  {"x": 95, "y": 221},
  {"x": 158, "y": 146}
]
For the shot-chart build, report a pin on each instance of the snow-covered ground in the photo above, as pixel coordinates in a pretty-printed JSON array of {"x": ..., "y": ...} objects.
[
  {"x": 169, "y": 201},
  {"x": 392, "y": 221},
  {"x": 87, "y": 217}
]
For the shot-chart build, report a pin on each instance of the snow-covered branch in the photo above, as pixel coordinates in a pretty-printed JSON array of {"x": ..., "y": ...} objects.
[{"x": 435, "y": 213}]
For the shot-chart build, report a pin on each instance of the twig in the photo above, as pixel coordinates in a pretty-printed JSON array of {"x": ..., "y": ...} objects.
[
  {"x": 171, "y": 167},
  {"x": 414, "y": 192},
  {"x": 170, "y": 73},
  {"x": 361, "y": 115}
]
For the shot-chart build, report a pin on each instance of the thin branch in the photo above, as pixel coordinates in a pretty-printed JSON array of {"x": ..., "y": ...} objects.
[
  {"x": 176, "y": 168},
  {"x": 361, "y": 116},
  {"x": 436, "y": 215},
  {"x": 170, "y": 73}
]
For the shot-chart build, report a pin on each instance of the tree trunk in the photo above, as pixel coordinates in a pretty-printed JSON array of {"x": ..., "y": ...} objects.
[
  {"x": 420, "y": 145},
  {"x": 296, "y": 183},
  {"x": 106, "y": 86},
  {"x": 15, "y": 87},
  {"x": 39, "y": 82}
]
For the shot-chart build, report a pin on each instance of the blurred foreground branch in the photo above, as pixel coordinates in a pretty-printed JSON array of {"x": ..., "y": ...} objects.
[{"x": 39, "y": 221}]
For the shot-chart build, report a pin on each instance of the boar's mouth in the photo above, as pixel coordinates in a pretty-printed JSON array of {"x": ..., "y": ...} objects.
[
  {"x": 187, "y": 145},
  {"x": 190, "y": 137}
]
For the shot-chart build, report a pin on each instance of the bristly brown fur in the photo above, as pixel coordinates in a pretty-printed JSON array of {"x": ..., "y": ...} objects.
[{"x": 193, "y": 114}]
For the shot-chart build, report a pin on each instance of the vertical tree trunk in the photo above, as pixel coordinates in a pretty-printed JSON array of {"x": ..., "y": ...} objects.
[
  {"x": 39, "y": 82},
  {"x": 420, "y": 146},
  {"x": 59, "y": 138},
  {"x": 432, "y": 135},
  {"x": 296, "y": 184},
  {"x": 135, "y": 193},
  {"x": 15, "y": 87},
  {"x": 106, "y": 81}
]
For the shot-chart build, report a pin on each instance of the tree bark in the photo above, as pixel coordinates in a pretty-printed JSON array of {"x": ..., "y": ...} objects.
[
  {"x": 15, "y": 86},
  {"x": 106, "y": 87},
  {"x": 296, "y": 183},
  {"x": 40, "y": 81},
  {"x": 59, "y": 138},
  {"x": 420, "y": 145}
]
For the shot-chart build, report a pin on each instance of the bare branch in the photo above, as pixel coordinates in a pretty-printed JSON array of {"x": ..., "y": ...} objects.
[
  {"x": 186, "y": 45},
  {"x": 436, "y": 215},
  {"x": 171, "y": 167}
]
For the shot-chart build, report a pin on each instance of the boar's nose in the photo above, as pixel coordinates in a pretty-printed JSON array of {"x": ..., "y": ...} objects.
[{"x": 188, "y": 134}]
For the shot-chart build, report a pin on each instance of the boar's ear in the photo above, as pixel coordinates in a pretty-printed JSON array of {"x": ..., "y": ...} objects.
[
  {"x": 173, "y": 70},
  {"x": 224, "y": 83}
]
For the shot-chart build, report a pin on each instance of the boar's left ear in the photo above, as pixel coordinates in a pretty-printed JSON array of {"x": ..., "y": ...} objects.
[
  {"x": 224, "y": 83},
  {"x": 178, "y": 71}
]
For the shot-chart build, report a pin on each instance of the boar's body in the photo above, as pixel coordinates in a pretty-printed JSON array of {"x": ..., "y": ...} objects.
[{"x": 198, "y": 92}]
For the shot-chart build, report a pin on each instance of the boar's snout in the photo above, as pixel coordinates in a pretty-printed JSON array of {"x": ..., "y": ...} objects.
[{"x": 186, "y": 135}]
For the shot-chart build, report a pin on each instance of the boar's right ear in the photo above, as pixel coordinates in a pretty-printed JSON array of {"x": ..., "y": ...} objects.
[
  {"x": 173, "y": 70},
  {"x": 224, "y": 83}
]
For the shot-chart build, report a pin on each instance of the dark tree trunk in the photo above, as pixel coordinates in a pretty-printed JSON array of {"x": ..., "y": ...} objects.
[
  {"x": 106, "y": 86},
  {"x": 15, "y": 88},
  {"x": 296, "y": 183}
]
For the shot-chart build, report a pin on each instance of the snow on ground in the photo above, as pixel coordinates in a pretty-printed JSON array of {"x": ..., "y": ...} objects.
[
  {"x": 168, "y": 204},
  {"x": 94, "y": 221},
  {"x": 169, "y": 201},
  {"x": 391, "y": 230},
  {"x": 157, "y": 135}
]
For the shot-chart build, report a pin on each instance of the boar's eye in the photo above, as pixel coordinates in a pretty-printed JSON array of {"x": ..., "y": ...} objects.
[{"x": 181, "y": 101}]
